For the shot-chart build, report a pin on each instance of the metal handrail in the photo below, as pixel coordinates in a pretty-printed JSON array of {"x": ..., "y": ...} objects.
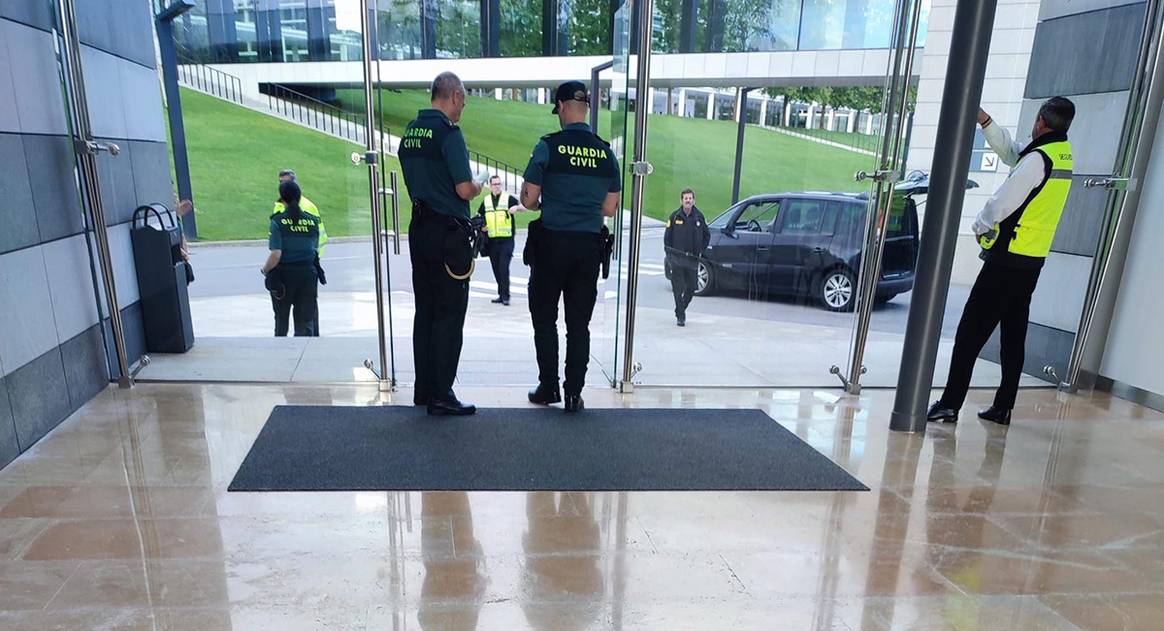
[
  {"x": 211, "y": 81},
  {"x": 508, "y": 173},
  {"x": 314, "y": 112}
]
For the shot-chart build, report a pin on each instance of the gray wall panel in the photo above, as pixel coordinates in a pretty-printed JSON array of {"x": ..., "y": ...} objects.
[
  {"x": 1087, "y": 53},
  {"x": 54, "y": 186},
  {"x": 118, "y": 191},
  {"x": 151, "y": 173},
  {"x": 17, "y": 211},
  {"x": 1078, "y": 231},
  {"x": 95, "y": 23},
  {"x": 124, "y": 270},
  {"x": 70, "y": 285},
  {"x": 39, "y": 101},
  {"x": 1045, "y": 346},
  {"x": 1095, "y": 133},
  {"x": 9, "y": 445},
  {"x": 39, "y": 396},
  {"x": 32, "y": 12},
  {"x": 26, "y": 320},
  {"x": 134, "y": 329},
  {"x": 9, "y": 120},
  {"x": 133, "y": 32},
  {"x": 143, "y": 102},
  {"x": 1059, "y": 297},
  {"x": 1050, "y": 9},
  {"x": 86, "y": 373},
  {"x": 103, "y": 89}
]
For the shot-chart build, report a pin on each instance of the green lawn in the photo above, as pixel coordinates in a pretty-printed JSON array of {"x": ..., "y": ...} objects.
[{"x": 236, "y": 154}]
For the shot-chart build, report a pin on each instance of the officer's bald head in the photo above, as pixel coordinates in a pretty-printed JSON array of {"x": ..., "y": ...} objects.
[{"x": 448, "y": 95}]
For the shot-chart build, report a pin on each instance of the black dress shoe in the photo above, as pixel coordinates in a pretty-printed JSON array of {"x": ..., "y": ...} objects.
[
  {"x": 574, "y": 403},
  {"x": 505, "y": 302},
  {"x": 449, "y": 406},
  {"x": 995, "y": 415},
  {"x": 939, "y": 414},
  {"x": 543, "y": 395},
  {"x": 497, "y": 301}
]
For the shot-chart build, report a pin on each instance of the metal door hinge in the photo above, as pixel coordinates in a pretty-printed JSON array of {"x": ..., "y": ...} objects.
[
  {"x": 92, "y": 147},
  {"x": 887, "y": 177}
]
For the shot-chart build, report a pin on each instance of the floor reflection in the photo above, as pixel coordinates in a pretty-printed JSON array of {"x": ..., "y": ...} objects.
[
  {"x": 561, "y": 545},
  {"x": 450, "y": 596}
]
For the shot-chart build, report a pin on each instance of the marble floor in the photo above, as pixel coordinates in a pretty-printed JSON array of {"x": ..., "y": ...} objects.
[{"x": 120, "y": 519}]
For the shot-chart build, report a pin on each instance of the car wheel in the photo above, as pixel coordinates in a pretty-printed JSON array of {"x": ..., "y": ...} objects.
[
  {"x": 704, "y": 280},
  {"x": 836, "y": 290}
]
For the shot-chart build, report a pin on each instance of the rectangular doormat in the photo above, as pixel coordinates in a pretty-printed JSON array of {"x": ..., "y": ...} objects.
[{"x": 394, "y": 448}]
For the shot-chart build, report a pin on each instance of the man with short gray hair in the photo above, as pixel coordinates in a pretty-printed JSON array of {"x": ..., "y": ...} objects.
[{"x": 435, "y": 162}]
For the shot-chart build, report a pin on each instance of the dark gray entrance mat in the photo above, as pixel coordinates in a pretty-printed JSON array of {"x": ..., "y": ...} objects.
[{"x": 331, "y": 448}]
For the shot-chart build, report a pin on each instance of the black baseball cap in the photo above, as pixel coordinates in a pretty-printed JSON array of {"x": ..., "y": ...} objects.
[{"x": 571, "y": 91}]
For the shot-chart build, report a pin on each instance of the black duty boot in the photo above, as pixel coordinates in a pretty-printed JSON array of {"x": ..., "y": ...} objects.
[
  {"x": 940, "y": 414},
  {"x": 995, "y": 415},
  {"x": 545, "y": 395},
  {"x": 448, "y": 405},
  {"x": 574, "y": 403}
]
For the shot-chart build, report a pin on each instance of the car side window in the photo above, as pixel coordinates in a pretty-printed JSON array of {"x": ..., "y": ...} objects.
[
  {"x": 852, "y": 221},
  {"x": 805, "y": 217},
  {"x": 758, "y": 216}
]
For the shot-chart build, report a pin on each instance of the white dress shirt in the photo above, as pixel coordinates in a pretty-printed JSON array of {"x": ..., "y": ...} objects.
[{"x": 1026, "y": 175}]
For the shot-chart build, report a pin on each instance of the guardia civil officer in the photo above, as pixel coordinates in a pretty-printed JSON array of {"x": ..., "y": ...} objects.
[
  {"x": 573, "y": 177},
  {"x": 309, "y": 207},
  {"x": 290, "y": 266},
  {"x": 684, "y": 241},
  {"x": 435, "y": 162},
  {"x": 1015, "y": 230}
]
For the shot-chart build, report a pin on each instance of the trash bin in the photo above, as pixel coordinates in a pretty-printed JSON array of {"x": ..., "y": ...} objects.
[{"x": 161, "y": 280}]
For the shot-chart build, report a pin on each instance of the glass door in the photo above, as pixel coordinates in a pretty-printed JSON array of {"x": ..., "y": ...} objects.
[{"x": 256, "y": 113}]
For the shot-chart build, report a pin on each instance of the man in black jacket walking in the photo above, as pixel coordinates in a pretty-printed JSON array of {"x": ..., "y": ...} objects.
[{"x": 684, "y": 241}]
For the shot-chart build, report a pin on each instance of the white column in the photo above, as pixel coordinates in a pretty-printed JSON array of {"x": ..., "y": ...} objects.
[
  {"x": 869, "y": 124},
  {"x": 830, "y": 119},
  {"x": 787, "y": 113},
  {"x": 682, "y": 101},
  {"x": 711, "y": 105},
  {"x": 764, "y": 112},
  {"x": 651, "y": 100},
  {"x": 811, "y": 120},
  {"x": 497, "y": 92},
  {"x": 541, "y": 96},
  {"x": 853, "y": 114}
]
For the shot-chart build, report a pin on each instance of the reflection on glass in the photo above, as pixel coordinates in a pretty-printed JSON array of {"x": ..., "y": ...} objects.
[
  {"x": 399, "y": 22},
  {"x": 589, "y": 25},
  {"x": 521, "y": 28},
  {"x": 458, "y": 28}
]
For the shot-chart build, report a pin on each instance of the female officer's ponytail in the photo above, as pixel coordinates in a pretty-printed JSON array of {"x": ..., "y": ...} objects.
[{"x": 290, "y": 194}]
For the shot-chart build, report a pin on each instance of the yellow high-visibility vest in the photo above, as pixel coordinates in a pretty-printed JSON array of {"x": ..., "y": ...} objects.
[
  {"x": 1031, "y": 229},
  {"x": 498, "y": 220}
]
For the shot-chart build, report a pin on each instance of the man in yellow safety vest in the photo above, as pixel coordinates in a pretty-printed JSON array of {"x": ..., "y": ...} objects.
[
  {"x": 498, "y": 209},
  {"x": 1015, "y": 230}
]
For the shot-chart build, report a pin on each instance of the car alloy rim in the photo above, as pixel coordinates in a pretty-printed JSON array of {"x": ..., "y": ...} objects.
[
  {"x": 701, "y": 277},
  {"x": 838, "y": 290}
]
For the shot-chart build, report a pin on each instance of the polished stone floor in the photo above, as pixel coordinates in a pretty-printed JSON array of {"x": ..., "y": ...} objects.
[{"x": 120, "y": 519}]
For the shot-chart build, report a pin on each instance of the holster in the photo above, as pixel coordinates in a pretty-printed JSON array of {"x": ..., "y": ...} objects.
[
  {"x": 535, "y": 234},
  {"x": 607, "y": 251}
]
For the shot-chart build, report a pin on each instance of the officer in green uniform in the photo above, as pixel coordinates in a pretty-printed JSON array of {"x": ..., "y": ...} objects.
[
  {"x": 435, "y": 162},
  {"x": 573, "y": 176},
  {"x": 290, "y": 266},
  {"x": 309, "y": 207},
  {"x": 1015, "y": 229}
]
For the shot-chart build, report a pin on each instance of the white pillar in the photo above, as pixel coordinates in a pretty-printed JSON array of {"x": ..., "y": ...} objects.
[
  {"x": 682, "y": 101},
  {"x": 541, "y": 96},
  {"x": 830, "y": 119},
  {"x": 497, "y": 93},
  {"x": 651, "y": 100},
  {"x": 764, "y": 112},
  {"x": 869, "y": 124},
  {"x": 811, "y": 120},
  {"x": 787, "y": 113},
  {"x": 711, "y": 105},
  {"x": 852, "y": 127}
]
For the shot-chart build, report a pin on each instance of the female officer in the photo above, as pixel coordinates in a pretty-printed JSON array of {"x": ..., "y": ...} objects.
[{"x": 290, "y": 268}]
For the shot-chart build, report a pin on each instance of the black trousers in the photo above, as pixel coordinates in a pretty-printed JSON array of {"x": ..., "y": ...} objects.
[
  {"x": 566, "y": 267},
  {"x": 500, "y": 255},
  {"x": 1001, "y": 297},
  {"x": 301, "y": 294},
  {"x": 683, "y": 282},
  {"x": 441, "y": 302}
]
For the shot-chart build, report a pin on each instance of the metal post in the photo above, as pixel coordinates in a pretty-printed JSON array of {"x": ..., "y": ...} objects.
[
  {"x": 640, "y": 170},
  {"x": 1136, "y": 144},
  {"x": 370, "y": 158},
  {"x": 882, "y": 201},
  {"x": 595, "y": 93},
  {"x": 965, "y": 71},
  {"x": 741, "y": 125},
  {"x": 164, "y": 23},
  {"x": 86, "y": 151}
]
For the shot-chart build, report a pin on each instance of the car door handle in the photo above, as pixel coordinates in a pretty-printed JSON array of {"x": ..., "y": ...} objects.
[{"x": 817, "y": 250}]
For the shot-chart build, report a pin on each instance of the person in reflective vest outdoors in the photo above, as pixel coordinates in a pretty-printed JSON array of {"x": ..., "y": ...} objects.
[
  {"x": 1015, "y": 230},
  {"x": 498, "y": 208}
]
